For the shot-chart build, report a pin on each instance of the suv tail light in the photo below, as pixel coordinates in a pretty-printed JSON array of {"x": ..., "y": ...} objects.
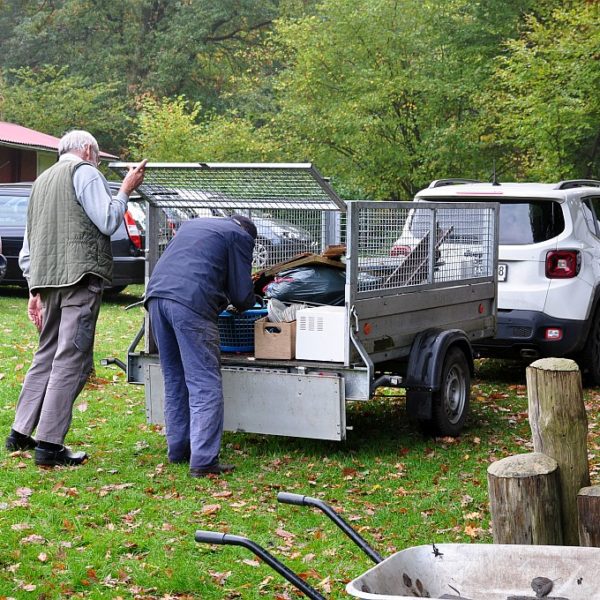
[
  {"x": 398, "y": 250},
  {"x": 562, "y": 264},
  {"x": 133, "y": 230}
]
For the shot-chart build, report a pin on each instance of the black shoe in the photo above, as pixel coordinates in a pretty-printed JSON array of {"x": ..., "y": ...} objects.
[
  {"x": 216, "y": 469},
  {"x": 54, "y": 458},
  {"x": 18, "y": 441}
]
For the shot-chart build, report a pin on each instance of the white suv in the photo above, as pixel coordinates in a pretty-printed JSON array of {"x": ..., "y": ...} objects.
[{"x": 548, "y": 266}]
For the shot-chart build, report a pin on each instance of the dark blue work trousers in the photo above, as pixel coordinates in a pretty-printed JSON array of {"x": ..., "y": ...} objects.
[{"x": 188, "y": 347}]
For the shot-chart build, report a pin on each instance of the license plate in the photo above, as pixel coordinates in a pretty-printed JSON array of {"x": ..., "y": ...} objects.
[{"x": 502, "y": 272}]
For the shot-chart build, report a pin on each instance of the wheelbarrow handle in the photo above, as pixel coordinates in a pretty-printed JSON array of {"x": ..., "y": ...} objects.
[
  {"x": 299, "y": 500},
  {"x": 296, "y": 499},
  {"x": 214, "y": 537}
]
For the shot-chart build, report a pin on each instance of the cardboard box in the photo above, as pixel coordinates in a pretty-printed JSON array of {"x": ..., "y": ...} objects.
[{"x": 274, "y": 340}]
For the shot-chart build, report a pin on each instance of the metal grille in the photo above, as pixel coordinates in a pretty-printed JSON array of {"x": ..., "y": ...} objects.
[
  {"x": 294, "y": 209},
  {"x": 403, "y": 244},
  {"x": 236, "y": 186}
]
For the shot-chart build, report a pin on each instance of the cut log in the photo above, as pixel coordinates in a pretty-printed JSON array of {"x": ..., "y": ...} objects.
[
  {"x": 559, "y": 428},
  {"x": 588, "y": 507},
  {"x": 524, "y": 500}
]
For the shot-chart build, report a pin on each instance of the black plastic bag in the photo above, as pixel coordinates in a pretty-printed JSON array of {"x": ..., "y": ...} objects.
[{"x": 314, "y": 284}]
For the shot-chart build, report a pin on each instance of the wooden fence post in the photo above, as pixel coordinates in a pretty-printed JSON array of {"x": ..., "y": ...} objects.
[
  {"x": 524, "y": 500},
  {"x": 588, "y": 506},
  {"x": 559, "y": 428}
]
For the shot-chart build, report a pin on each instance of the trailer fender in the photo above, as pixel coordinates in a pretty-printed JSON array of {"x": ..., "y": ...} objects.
[{"x": 425, "y": 364}]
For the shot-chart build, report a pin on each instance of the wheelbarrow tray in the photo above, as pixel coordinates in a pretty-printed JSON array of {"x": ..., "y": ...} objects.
[{"x": 482, "y": 572}]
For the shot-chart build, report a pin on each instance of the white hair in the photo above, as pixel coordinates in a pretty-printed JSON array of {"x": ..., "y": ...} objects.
[{"x": 77, "y": 140}]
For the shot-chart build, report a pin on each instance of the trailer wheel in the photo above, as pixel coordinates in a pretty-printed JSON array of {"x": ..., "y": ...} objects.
[{"x": 451, "y": 403}]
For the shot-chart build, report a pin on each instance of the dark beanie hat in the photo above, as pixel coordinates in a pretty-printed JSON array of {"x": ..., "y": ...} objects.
[{"x": 246, "y": 224}]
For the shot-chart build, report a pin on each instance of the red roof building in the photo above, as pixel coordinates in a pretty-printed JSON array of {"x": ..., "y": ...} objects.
[{"x": 25, "y": 153}]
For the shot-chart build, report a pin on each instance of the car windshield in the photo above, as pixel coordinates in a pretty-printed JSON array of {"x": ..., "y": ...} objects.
[
  {"x": 521, "y": 222},
  {"x": 13, "y": 211}
]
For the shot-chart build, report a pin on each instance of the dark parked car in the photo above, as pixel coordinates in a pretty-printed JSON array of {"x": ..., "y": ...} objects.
[
  {"x": 127, "y": 241},
  {"x": 2, "y": 262},
  {"x": 277, "y": 240}
]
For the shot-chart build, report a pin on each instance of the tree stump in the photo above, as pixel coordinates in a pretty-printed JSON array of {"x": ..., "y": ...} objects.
[
  {"x": 524, "y": 500},
  {"x": 588, "y": 507},
  {"x": 559, "y": 428}
]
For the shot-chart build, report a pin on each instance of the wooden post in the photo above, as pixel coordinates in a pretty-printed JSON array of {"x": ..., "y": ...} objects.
[
  {"x": 559, "y": 427},
  {"x": 588, "y": 507},
  {"x": 524, "y": 500}
]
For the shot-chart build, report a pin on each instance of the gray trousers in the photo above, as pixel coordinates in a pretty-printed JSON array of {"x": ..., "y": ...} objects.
[{"x": 62, "y": 362}]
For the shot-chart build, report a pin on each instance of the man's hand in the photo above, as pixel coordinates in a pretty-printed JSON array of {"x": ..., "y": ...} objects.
[
  {"x": 134, "y": 178},
  {"x": 34, "y": 310}
]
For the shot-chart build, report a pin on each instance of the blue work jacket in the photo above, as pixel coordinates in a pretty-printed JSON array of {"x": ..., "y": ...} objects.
[{"x": 206, "y": 266}]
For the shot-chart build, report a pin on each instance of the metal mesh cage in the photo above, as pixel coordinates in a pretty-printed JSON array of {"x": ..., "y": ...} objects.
[
  {"x": 400, "y": 245},
  {"x": 294, "y": 209}
]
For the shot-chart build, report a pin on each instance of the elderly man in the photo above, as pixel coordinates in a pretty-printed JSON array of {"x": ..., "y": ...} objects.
[
  {"x": 205, "y": 267},
  {"x": 66, "y": 258}
]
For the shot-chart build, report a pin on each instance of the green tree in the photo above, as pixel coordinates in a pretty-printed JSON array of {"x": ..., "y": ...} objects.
[
  {"x": 52, "y": 101},
  {"x": 176, "y": 130},
  {"x": 158, "y": 46},
  {"x": 382, "y": 93},
  {"x": 543, "y": 107},
  {"x": 167, "y": 130}
]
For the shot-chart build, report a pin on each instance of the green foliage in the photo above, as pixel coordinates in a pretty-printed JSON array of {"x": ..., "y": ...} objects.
[
  {"x": 176, "y": 131},
  {"x": 166, "y": 130},
  {"x": 382, "y": 93},
  {"x": 53, "y": 101},
  {"x": 544, "y": 103},
  {"x": 381, "y": 96}
]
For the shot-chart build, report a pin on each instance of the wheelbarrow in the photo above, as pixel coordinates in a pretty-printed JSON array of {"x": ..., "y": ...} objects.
[{"x": 459, "y": 571}]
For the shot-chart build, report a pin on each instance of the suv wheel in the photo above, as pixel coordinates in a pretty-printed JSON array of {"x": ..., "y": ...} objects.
[{"x": 589, "y": 359}]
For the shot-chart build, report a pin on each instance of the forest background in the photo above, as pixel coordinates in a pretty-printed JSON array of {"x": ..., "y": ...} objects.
[{"x": 381, "y": 95}]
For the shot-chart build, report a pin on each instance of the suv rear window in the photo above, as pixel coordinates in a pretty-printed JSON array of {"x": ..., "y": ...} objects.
[
  {"x": 13, "y": 211},
  {"x": 521, "y": 222},
  {"x": 530, "y": 222}
]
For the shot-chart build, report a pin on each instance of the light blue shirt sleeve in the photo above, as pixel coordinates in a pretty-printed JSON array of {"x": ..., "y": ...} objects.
[
  {"x": 24, "y": 257},
  {"x": 93, "y": 193}
]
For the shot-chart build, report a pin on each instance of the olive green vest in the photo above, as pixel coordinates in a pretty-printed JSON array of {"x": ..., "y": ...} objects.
[{"x": 64, "y": 244}]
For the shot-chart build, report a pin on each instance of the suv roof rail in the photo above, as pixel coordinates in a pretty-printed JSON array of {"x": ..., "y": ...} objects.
[
  {"x": 575, "y": 183},
  {"x": 452, "y": 181}
]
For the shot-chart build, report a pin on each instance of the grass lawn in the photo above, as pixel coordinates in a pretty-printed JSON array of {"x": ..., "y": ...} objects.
[{"x": 122, "y": 526}]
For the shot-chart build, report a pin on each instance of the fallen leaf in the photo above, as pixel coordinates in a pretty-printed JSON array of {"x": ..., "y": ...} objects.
[
  {"x": 219, "y": 578},
  {"x": 210, "y": 509},
  {"x": 251, "y": 563},
  {"x": 286, "y": 535},
  {"x": 33, "y": 539}
]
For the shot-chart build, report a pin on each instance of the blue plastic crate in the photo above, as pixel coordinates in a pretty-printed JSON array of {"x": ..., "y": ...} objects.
[{"x": 237, "y": 329}]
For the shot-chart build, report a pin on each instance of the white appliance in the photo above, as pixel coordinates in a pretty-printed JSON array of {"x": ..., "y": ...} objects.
[{"x": 321, "y": 334}]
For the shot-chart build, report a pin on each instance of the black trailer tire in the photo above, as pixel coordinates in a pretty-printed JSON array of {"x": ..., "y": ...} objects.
[
  {"x": 589, "y": 359},
  {"x": 451, "y": 403}
]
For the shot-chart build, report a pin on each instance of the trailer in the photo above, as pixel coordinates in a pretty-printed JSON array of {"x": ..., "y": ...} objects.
[{"x": 408, "y": 313}]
